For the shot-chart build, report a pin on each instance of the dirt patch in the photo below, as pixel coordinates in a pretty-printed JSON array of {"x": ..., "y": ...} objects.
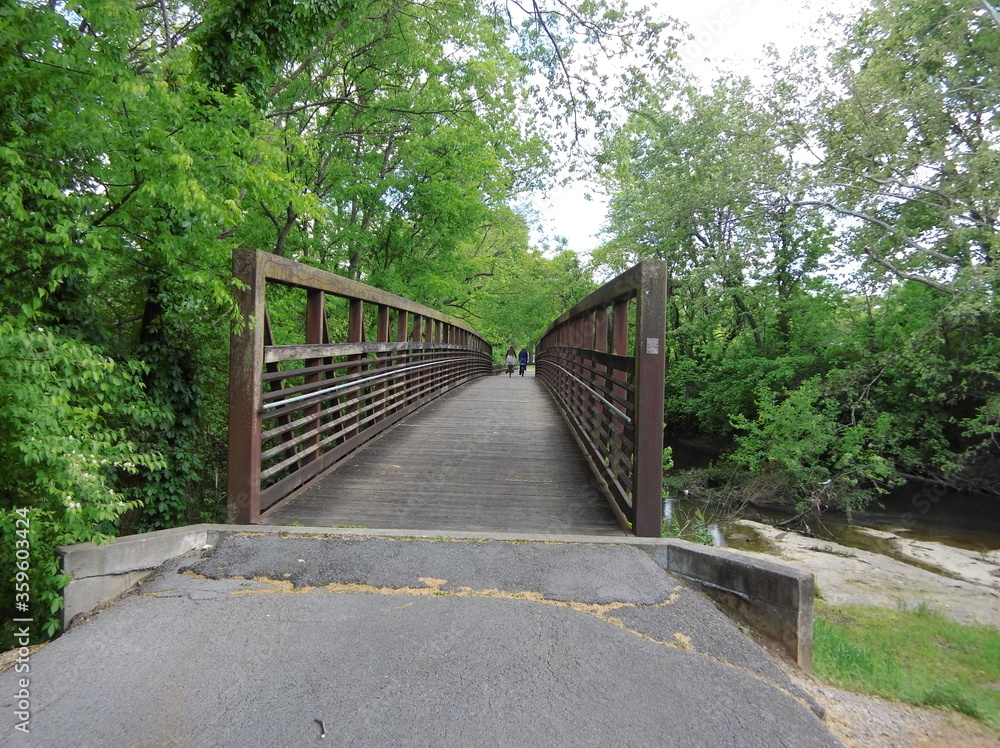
[
  {"x": 10, "y": 658},
  {"x": 435, "y": 587}
]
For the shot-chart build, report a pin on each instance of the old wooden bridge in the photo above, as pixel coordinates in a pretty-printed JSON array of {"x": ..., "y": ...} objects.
[{"x": 311, "y": 406}]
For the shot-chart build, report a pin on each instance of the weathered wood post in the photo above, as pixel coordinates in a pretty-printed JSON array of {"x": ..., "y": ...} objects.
[
  {"x": 650, "y": 370},
  {"x": 246, "y": 351}
]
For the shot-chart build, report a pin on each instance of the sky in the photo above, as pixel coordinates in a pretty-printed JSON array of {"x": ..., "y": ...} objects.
[{"x": 727, "y": 33}]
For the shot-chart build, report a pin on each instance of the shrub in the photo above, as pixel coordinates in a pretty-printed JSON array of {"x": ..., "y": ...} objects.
[{"x": 63, "y": 410}]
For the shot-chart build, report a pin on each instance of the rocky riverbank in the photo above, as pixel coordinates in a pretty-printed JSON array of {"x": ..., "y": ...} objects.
[{"x": 963, "y": 585}]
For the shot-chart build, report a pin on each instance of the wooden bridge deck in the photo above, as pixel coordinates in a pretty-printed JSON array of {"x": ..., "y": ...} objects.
[{"x": 493, "y": 456}]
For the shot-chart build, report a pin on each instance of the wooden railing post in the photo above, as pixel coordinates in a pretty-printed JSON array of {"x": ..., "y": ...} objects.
[
  {"x": 355, "y": 334},
  {"x": 399, "y": 383},
  {"x": 416, "y": 328},
  {"x": 382, "y": 336},
  {"x": 647, "y": 493},
  {"x": 315, "y": 320},
  {"x": 246, "y": 351}
]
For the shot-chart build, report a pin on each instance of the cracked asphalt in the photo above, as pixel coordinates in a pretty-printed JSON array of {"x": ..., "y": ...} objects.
[{"x": 299, "y": 641}]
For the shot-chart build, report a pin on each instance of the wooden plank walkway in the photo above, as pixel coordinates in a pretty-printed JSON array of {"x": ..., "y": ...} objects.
[{"x": 493, "y": 456}]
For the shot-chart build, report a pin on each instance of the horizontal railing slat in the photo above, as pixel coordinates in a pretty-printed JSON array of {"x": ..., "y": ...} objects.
[{"x": 280, "y": 353}]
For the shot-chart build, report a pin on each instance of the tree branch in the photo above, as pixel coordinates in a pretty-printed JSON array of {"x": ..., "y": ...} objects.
[
  {"x": 888, "y": 228},
  {"x": 117, "y": 206}
]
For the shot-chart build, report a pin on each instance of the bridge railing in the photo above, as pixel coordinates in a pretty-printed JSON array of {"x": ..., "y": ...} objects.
[
  {"x": 604, "y": 362},
  {"x": 296, "y": 409}
]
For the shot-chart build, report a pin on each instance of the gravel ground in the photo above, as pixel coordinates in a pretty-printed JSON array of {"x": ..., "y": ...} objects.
[{"x": 866, "y": 722}]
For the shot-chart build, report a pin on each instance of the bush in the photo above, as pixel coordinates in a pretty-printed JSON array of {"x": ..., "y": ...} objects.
[
  {"x": 63, "y": 411},
  {"x": 803, "y": 439}
]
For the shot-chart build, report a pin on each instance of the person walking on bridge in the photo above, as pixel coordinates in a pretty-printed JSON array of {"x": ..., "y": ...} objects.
[
  {"x": 522, "y": 359},
  {"x": 510, "y": 361}
]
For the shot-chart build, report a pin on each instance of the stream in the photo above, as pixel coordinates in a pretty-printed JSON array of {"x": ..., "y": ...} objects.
[{"x": 915, "y": 512}]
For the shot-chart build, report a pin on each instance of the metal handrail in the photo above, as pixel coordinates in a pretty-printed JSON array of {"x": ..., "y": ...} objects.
[{"x": 353, "y": 384}]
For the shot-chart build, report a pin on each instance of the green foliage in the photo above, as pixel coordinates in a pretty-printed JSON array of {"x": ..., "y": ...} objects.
[
  {"x": 831, "y": 255},
  {"x": 246, "y": 44},
  {"x": 523, "y": 294},
  {"x": 36, "y": 580},
  {"x": 911, "y": 145},
  {"x": 121, "y": 175},
  {"x": 694, "y": 529},
  {"x": 63, "y": 411},
  {"x": 141, "y": 144},
  {"x": 802, "y": 436}
]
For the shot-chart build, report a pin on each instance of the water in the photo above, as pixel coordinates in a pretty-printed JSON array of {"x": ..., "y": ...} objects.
[
  {"x": 922, "y": 513},
  {"x": 723, "y": 531},
  {"x": 957, "y": 520},
  {"x": 916, "y": 512}
]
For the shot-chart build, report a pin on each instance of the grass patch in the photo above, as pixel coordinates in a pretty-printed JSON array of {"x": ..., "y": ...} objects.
[{"x": 918, "y": 657}]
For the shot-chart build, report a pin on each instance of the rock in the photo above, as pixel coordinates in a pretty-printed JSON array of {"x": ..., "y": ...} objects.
[{"x": 960, "y": 584}]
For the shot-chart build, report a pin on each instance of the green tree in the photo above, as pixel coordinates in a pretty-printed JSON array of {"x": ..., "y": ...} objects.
[
  {"x": 702, "y": 181},
  {"x": 911, "y": 147},
  {"x": 831, "y": 256},
  {"x": 525, "y": 293},
  {"x": 912, "y": 156},
  {"x": 803, "y": 443},
  {"x": 120, "y": 176}
]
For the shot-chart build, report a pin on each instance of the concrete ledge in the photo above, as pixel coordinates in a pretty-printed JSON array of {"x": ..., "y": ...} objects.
[
  {"x": 85, "y": 595},
  {"x": 773, "y": 599},
  {"x": 99, "y": 573}
]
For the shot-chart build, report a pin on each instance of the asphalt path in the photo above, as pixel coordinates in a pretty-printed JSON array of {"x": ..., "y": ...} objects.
[{"x": 300, "y": 641}]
